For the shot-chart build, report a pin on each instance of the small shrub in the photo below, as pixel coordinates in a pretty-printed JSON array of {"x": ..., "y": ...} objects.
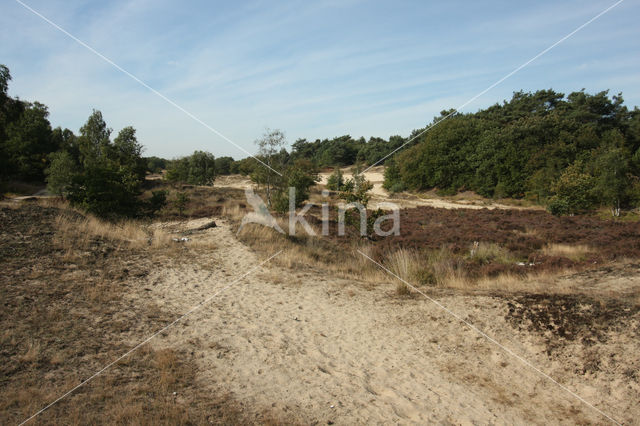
[
  {"x": 425, "y": 276},
  {"x": 484, "y": 253},
  {"x": 182, "y": 198},
  {"x": 335, "y": 182},
  {"x": 558, "y": 207},
  {"x": 157, "y": 202},
  {"x": 397, "y": 187}
]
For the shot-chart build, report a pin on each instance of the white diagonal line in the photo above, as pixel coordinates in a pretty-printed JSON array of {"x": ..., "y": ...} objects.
[
  {"x": 145, "y": 341},
  {"x": 141, "y": 82},
  {"x": 495, "y": 342},
  {"x": 431, "y": 126}
]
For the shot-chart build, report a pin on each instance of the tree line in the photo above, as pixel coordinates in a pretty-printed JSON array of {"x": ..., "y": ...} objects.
[
  {"x": 571, "y": 153},
  {"x": 103, "y": 175}
]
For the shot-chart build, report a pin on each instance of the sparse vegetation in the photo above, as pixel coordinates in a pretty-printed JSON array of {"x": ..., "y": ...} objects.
[{"x": 65, "y": 278}]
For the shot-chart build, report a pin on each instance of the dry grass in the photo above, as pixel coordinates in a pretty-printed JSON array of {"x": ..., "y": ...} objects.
[
  {"x": 404, "y": 264},
  {"x": 73, "y": 232},
  {"x": 574, "y": 252},
  {"x": 490, "y": 252},
  {"x": 307, "y": 251}
]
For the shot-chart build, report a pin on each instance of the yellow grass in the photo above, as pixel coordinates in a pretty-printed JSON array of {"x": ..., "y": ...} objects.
[
  {"x": 77, "y": 232},
  {"x": 573, "y": 252},
  {"x": 490, "y": 252},
  {"x": 404, "y": 264}
]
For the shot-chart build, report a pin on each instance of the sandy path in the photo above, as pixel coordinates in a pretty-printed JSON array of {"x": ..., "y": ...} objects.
[{"x": 322, "y": 349}]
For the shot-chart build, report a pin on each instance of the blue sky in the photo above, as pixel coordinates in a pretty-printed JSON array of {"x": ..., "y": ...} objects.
[{"x": 312, "y": 69}]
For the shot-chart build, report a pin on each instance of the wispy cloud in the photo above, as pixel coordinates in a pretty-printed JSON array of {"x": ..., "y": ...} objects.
[{"x": 314, "y": 69}]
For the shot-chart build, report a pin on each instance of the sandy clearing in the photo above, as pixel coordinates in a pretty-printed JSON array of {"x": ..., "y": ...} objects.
[{"x": 322, "y": 349}]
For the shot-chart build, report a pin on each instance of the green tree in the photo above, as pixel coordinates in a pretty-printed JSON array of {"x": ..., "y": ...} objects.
[
  {"x": 29, "y": 142},
  {"x": 182, "y": 199},
  {"x": 110, "y": 175},
  {"x": 197, "y": 169},
  {"x": 356, "y": 189},
  {"x": 335, "y": 182},
  {"x": 202, "y": 168},
  {"x": 94, "y": 140},
  {"x": 301, "y": 176},
  {"x": 223, "y": 165},
  {"x": 392, "y": 177},
  {"x": 126, "y": 152},
  {"x": 269, "y": 152},
  {"x": 103, "y": 190},
  {"x": 156, "y": 164},
  {"x": 612, "y": 182},
  {"x": 572, "y": 192},
  {"x": 157, "y": 202},
  {"x": 61, "y": 172}
]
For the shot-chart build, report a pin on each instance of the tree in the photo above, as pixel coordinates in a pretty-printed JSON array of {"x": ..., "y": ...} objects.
[
  {"x": 301, "y": 176},
  {"x": 109, "y": 175},
  {"x": 105, "y": 191},
  {"x": 156, "y": 164},
  {"x": 612, "y": 181},
  {"x": 202, "y": 168},
  {"x": 60, "y": 173},
  {"x": 127, "y": 153},
  {"x": 182, "y": 199},
  {"x": 178, "y": 170},
  {"x": 356, "y": 189},
  {"x": 269, "y": 152},
  {"x": 94, "y": 142},
  {"x": 197, "y": 169},
  {"x": 572, "y": 192},
  {"x": 392, "y": 177},
  {"x": 29, "y": 142},
  {"x": 223, "y": 165},
  {"x": 335, "y": 182}
]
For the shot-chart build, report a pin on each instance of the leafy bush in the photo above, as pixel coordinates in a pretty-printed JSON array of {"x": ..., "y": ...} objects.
[
  {"x": 558, "y": 206},
  {"x": 572, "y": 191},
  {"x": 397, "y": 187},
  {"x": 158, "y": 201},
  {"x": 335, "y": 182},
  {"x": 301, "y": 176},
  {"x": 106, "y": 192}
]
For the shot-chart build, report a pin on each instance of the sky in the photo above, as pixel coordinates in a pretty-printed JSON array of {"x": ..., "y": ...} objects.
[{"x": 314, "y": 69}]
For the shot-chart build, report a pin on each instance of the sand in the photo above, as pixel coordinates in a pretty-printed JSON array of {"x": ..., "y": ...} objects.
[{"x": 315, "y": 348}]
